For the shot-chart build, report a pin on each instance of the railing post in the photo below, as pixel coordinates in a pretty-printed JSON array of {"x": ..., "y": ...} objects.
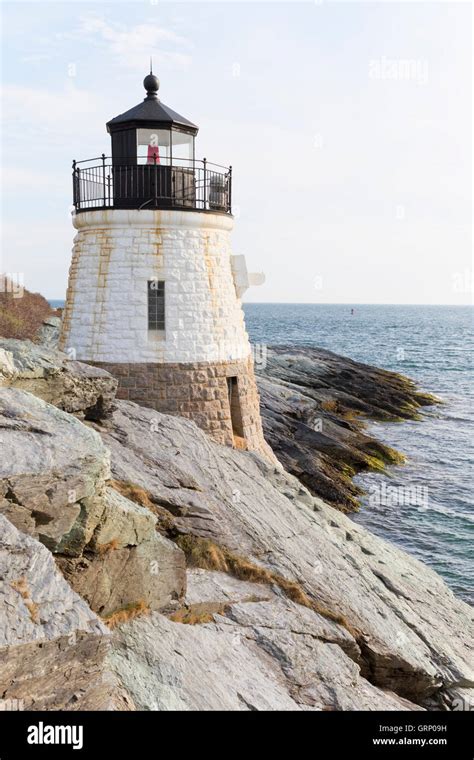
[
  {"x": 204, "y": 161},
  {"x": 155, "y": 179},
  {"x": 74, "y": 188},
  {"x": 108, "y": 188},
  {"x": 229, "y": 195},
  {"x": 78, "y": 175},
  {"x": 103, "y": 176}
]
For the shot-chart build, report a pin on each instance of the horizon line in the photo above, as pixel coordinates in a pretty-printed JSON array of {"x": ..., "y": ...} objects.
[{"x": 329, "y": 303}]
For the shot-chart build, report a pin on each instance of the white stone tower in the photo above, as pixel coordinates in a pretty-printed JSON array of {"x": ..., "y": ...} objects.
[{"x": 154, "y": 290}]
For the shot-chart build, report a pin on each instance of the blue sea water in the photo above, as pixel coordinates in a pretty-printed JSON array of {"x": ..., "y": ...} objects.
[{"x": 424, "y": 506}]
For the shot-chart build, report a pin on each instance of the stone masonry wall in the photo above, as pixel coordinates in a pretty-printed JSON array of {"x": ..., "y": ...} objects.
[
  {"x": 199, "y": 392},
  {"x": 183, "y": 369},
  {"x": 116, "y": 252}
]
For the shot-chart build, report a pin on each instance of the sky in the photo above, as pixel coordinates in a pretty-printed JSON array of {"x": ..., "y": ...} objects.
[{"x": 348, "y": 126}]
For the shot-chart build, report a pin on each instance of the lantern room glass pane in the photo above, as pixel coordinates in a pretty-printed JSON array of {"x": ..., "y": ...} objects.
[
  {"x": 183, "y": 148},
  {"x": 151, "y": 143}
]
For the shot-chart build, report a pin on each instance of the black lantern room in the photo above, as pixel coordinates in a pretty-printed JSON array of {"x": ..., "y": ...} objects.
[
  {"x": 152, "y": 132},
  {"x": 153, "y": 164}
]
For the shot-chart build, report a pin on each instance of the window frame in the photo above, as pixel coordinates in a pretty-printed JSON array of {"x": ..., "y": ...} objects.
[{"x": 156, "y": 306}]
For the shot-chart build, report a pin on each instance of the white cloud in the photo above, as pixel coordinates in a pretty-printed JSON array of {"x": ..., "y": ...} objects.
[
  {"x": 37, "y": 58},
  {"x": 28, "y": 111},
  {"x": 43, "y": 130},
  {"x": 132, "y": 46},
  {"x": 15, "y": 179}
]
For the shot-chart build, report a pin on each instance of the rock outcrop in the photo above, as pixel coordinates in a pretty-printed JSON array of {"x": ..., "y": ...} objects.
[
  {"x": 47, "y": 373},
  {"x": 313, "y": 403},
  {"x": 54, "y": 475},
  {"x": 413, "y": 636},
  {"x": 285, "y": 602},
  {"x": 127, "y": 562},
  {"x": 241, "y": 662},
  {"x": 52, "y": 646},
  {"x": 53, "y": 472},
  {"x": 48, "y": 333},
  {"x": 258, "y": 651}
]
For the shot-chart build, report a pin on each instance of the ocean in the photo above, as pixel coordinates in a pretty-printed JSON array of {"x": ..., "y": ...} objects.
[{"x": 424, "y": 506}]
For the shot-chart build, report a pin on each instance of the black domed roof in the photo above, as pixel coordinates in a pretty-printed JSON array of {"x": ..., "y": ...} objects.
[{"x": 151, "y": 112}]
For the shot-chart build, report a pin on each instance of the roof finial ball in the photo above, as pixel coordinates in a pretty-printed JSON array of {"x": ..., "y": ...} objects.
[{"x": 151, "y": 84}]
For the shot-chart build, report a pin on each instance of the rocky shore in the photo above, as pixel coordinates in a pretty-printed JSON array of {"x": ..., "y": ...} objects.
[
  {"x": 314, "y": 405},
  {"x": 144, "y": 566}
]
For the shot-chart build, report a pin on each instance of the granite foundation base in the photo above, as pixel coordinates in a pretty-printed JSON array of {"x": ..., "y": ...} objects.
[{"x": 221, "y": 398}]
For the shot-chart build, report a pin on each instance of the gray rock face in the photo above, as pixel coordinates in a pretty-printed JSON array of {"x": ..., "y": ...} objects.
[
  {"x": 260, "y": 655},
  {"x": 31, "y": 587},
  {"x": 48, "y": 334},
  {"x": 52, "y": 472},
  {"x": 122, "y": 524},
  {"x": 170, "y": 666},
  {"x": 47, "y": 373},
  {"x": 53, "y": 485},
  {"x": 212, "y": 586},
  {"x": 127, "y": 562},
  {"x": 52, "y": 646},
  {"x": 415, "y": 638}
]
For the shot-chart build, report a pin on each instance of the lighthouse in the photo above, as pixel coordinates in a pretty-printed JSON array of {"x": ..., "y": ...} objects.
[{"x": 154, "y": 292}]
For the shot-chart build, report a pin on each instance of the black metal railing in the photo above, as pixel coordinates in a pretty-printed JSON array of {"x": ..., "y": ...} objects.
[{"x": 122, "y": 183}]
